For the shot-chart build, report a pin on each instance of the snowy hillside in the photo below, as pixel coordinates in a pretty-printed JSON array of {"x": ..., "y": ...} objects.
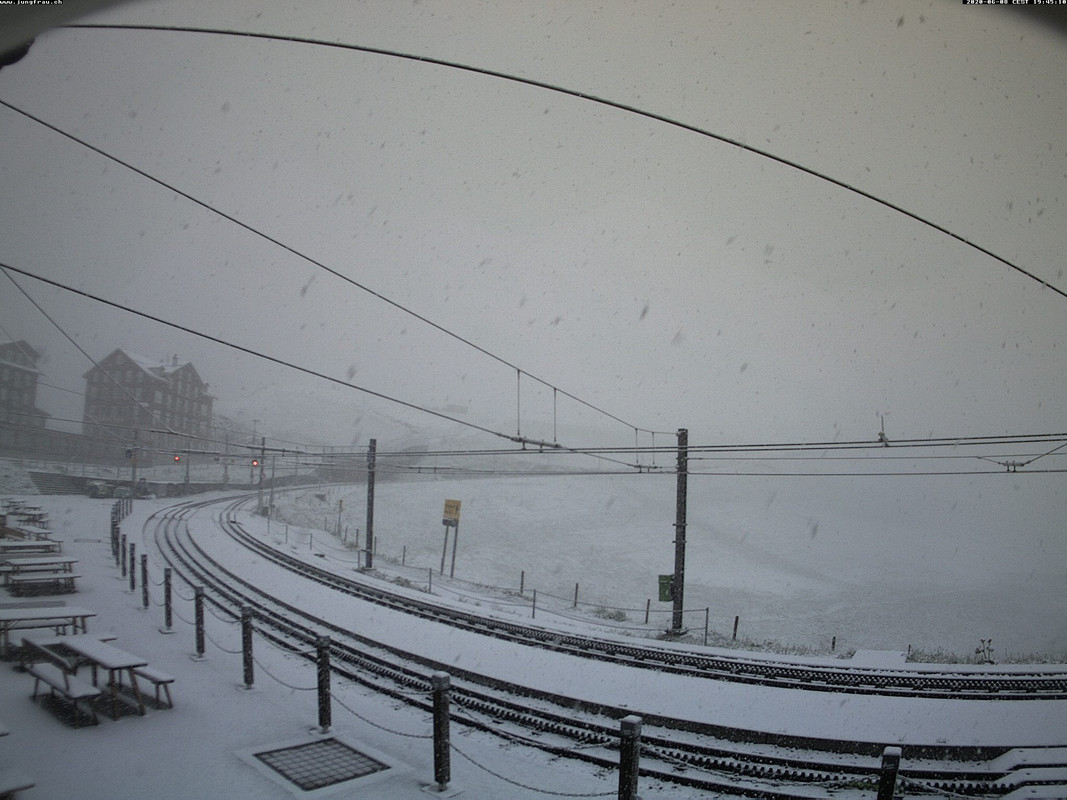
[{"x": 877, "y": 563}]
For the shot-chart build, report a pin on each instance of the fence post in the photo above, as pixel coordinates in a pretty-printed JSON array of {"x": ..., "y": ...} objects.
[
  {"x": 246, "y": 645},
  {"x": 887, "y": 783},
  {"x": 737, "y": 621},
  {"x": 522, "y": 582},
  {"x": 168, "y": 613},
  {"x": 133, "y": 569},
  {"x": 144, "y": 581},
  {"x": 648, "y": 606},
  {"x": 322, "y": 644},
  {"x": 575, "y": 595},
  {"x": 123, "y": 550},
  {"x": 629, "y": 756},
  {"x": 707, "y": 615},
  {"x": 533, "y": 606},
  {"x": 442, "y": 770},
  {"x": 199, "y": 622}
]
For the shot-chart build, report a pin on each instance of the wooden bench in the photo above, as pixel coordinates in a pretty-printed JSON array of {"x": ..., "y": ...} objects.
[
  {"x": 160, "y": 680},
  {"x": 57, "y": 582},
  {"x": 63, "y": 683}
]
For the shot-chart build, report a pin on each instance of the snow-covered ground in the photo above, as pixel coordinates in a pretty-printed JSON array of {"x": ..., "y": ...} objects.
[
  {"x": 202, "y": 747},
  {"x": 883, "y": 563}
]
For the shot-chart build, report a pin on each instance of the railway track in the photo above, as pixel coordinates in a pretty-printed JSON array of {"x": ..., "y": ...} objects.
[{"x": 727, "y": 762}]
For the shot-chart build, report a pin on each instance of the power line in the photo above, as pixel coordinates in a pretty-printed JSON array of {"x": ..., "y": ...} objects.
[
  {"x": 81, "y": 350},
  {"x": 337, "y": 274},
  {"x": 185, "y": 329},
  {"x": 6, "y": 268},
  {"x": 620, "y": 106}
]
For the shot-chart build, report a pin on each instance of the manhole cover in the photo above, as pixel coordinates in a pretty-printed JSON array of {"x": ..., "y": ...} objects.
[{"x": 318, "y": 764}]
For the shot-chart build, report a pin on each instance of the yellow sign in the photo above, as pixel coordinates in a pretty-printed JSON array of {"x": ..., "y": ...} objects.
[{"x": 451, "y": 511}]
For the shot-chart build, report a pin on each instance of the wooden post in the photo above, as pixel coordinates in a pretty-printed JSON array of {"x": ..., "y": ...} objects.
[
  {"x": 533, "y": 607},
  {"x": 648, "y": 606},
  {"x": 629, "y": 756},
  {"x": 199, "y": 604},
  {"x": 707, "y": 613},
  {"x": 246, "y": 645},
  {"x": 133, "y": 568},
  {"x": 887, "y": 782},
  {"x": 575, "y": 595},
  {"x": 168, "y": 612},
  {"x": 737, "y": 620},
  {"x": 442, "y": 771},
  {"x": 522, "y": 582},
  {"x": 144, "y": 581},
  {"x": 323, "y": 646},
  {"x": 123, "y": 549}
]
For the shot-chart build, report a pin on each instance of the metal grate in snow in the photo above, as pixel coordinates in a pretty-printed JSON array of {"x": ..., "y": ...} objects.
[{"x": 321, "y": 763}]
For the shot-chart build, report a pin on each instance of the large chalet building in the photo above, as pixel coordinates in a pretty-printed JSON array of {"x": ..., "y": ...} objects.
[
  {"x": 20, "y": 419},
  {"x": 139, "y": 402}
]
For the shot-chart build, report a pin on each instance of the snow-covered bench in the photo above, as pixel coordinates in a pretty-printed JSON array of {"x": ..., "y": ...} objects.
[
  {"x": 56, "y": 582},
  {"x": 61, "y": 682},
  {"x": 160, "y": 680}
]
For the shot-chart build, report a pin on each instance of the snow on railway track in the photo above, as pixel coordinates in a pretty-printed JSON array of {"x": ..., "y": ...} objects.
[{"x": 796, "y": 760}]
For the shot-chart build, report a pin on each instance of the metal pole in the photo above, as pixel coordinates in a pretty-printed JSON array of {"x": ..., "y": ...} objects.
[
  {"x": 323, "y": 646},
  {"x": 262, "y": 472},
  {"x": 246, "y": 645},
  {"x": 199, "y": 591},
  {"x": 371, "y": 451},
  {"x": 442, "y": 771},
  {"x": 270, "y": 498},
  {"x": 444, "y": 551},
  {"x": 455, "y": 542},
  {"x": 629, "y": 756},
  {"x": 679, "y": 529}
]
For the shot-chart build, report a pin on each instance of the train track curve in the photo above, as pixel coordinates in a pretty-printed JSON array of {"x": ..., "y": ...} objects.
[{"x": 726, "y": 761}]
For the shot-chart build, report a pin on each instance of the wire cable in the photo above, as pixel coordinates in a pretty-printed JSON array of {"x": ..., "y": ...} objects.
[
  {"x": 592, "y": 98},
  {"x": 335, "y": 273}
]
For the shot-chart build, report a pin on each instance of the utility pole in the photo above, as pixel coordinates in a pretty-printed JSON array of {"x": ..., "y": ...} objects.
[
  {"x": 679, "y": 530},
  {"x": 262, "y": 472},
  {"x": 371, "y": 451}
]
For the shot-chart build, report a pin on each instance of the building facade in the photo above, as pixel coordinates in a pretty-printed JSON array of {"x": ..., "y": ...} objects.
[
  {"x": 20, "y": 419},
  {"x": 142, "y": 404}
]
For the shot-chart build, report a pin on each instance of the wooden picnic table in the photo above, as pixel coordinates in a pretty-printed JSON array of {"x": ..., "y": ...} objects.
[
  {"x": 34, "y": 532},
  {"x": 88, "y": 650},
  {"x": 13, "y": 567},
  {"x": 14, "y": 547},
  {"x": 58, "y": 618}
]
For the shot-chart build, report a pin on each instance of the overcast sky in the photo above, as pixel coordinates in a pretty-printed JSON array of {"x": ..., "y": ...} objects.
[{"x": 667, "y": 277}]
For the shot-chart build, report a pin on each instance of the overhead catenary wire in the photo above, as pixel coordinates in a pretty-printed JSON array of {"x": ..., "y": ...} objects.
[
  {"x": 5, "y": 269},
  {"x": 592, "y": 98},
  {"x": 274, "y": 359},
  {"x": 316, "y": 263},
  {"x": 636, "y": 450}
]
